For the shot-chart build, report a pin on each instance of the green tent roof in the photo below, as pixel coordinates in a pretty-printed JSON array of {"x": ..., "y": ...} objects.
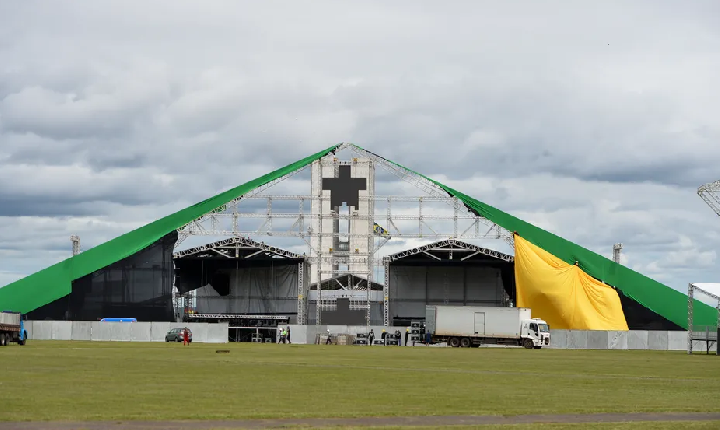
[{"x": 50, "y": 284}]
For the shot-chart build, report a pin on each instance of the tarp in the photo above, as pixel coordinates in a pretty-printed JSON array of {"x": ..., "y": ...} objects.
[
  {"x": 653, "y": 295},
  {"x": 562, "y": 294},
  {"x": 55, "y": 282}
]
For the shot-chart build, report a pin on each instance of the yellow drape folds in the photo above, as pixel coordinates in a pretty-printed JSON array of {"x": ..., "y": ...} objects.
[{"x": 562, "y": 294}]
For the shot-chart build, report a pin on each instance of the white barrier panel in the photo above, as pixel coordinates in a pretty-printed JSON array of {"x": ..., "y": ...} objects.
[
  {"x": 558, "y": 339},
  {"x": 299, "y": 334},
  {"x": 658, "y": 340},
  {"x": 159, "y": 329},
  {"x": 617, "y": 339},
  {"x": 218, "y": 333},
  {"x": 638, "y": 339},
  {"x": 597, "y": 339},
  {"x": 677, "y": 340},
  {"x": 106, "y": 331},
  {"x": 201, "y": 332},
  {"x": 52, "y": 330},
  {"x": 81, "y": 330},
  {"x": 29, "y": 329},
  {"x": 577, "y": 339}
]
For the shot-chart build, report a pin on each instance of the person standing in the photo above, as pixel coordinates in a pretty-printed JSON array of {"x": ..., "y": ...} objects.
[{"x": 186, "y": 337}]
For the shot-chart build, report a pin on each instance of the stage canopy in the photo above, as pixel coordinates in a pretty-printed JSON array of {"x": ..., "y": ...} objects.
[
  {"x": 448, "y": 272},
  {"x": 240, "y": 276}
]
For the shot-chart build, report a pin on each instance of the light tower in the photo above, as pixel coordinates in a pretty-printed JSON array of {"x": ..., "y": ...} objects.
[
  {"x": 75, "y": 244},
  {"x": 617, "y": 248}
]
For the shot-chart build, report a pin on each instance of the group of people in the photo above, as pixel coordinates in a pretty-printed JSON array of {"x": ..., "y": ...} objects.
[{"x": 284, "y": 335}]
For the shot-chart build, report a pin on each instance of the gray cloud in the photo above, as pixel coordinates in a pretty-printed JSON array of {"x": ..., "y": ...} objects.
[{"x": 596, "y": 124}]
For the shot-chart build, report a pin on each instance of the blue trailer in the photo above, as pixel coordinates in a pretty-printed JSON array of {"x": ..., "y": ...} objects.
[{"x": 12, "y": 328}]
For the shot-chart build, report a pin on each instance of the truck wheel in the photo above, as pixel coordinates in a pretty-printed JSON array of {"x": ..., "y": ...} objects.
[
  {"x": 3, "y": 339},
  {"x": 454, "y": 342},
  {"x": 465, "y": 342},
  {"x": 528, "y": 344}
]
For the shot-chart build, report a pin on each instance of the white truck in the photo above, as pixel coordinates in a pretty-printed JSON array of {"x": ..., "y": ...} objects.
[{"x": 472, "y": 326}]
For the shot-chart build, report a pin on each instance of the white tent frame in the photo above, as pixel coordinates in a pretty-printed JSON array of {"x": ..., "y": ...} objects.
[{"x": 708, "y": 337}]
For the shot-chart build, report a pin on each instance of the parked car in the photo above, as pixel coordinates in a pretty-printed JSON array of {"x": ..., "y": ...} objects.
[{"x": 178, "y": 334}]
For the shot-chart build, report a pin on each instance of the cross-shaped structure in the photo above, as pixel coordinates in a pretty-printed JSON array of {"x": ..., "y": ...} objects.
[{"x": 344, "y": 189}]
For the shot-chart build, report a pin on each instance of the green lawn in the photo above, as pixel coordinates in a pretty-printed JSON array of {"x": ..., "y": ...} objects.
[
  {"x": 710, "y": 425},
  {"x": 50, "y": 380}
]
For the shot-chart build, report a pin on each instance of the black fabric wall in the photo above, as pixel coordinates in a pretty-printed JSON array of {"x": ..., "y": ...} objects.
[
  {"x": 638, "y": 317},
  {"x": 193, "y": 273},
  {"x": 139, "y": 286}
]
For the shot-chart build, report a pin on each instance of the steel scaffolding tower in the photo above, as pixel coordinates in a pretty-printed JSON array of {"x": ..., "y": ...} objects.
[
  {"x": 75, "y": 244},
  {"x": 617, "y": 249}
]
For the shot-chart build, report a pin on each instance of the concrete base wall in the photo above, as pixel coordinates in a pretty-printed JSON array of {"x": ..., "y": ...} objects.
[
  {"x": 122, "y": 331},
  {"x": 559, "y": 339},
  {"x": 306, "y": 334},
  {"x": 633, "y": 339}
]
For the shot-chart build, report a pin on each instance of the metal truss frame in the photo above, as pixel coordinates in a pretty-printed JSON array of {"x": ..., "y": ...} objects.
[
  {"x": 451, "y": 245},
  {"x": 183, "y": 232},
  {"x": 423, "y": 184},
  {"x": 210, "y": 225},
  {"x": 236, "y": 243},
  {"x": 691, "y": 332},
  {"x": 710, "y": 193},
  {"x": 473, "y": 231},
  {"x": 238, "y": 316}
]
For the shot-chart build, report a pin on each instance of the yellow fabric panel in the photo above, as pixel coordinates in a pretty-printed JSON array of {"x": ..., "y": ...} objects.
[{"x": 562, "y": 294}]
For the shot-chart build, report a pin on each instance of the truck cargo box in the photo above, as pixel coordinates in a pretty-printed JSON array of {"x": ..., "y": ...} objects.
[
  {"x": 10, "y": 318},
  {"x": 471, "y": 321}
]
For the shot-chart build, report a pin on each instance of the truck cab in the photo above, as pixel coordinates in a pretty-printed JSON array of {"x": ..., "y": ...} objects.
[{"x": 535, "y": 333}]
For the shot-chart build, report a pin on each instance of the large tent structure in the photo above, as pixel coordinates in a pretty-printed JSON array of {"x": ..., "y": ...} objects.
[{"x": 578, "y": 288}]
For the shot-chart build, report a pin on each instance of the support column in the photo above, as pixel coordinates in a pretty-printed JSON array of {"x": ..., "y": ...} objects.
[
  {"x": 302, "y": 295},
  {"x": 690, "y": 318},
  {"x": 371, "y": 238},
  {"x": 386, "y": 294}
]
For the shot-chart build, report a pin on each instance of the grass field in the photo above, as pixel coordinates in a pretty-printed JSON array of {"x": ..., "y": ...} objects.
[{"x": 81, "y": 381}]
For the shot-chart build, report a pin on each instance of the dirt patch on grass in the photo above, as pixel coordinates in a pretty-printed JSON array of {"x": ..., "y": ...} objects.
[{"x": 368, "y": 422}]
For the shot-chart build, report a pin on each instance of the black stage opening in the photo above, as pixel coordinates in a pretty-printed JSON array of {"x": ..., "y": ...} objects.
[
  {"x": 240, "y": 276},
  {"x": 447, "y": 272}
]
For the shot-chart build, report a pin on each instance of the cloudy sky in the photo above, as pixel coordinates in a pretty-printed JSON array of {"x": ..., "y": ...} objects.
[{"x": 596, "y": 122}]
